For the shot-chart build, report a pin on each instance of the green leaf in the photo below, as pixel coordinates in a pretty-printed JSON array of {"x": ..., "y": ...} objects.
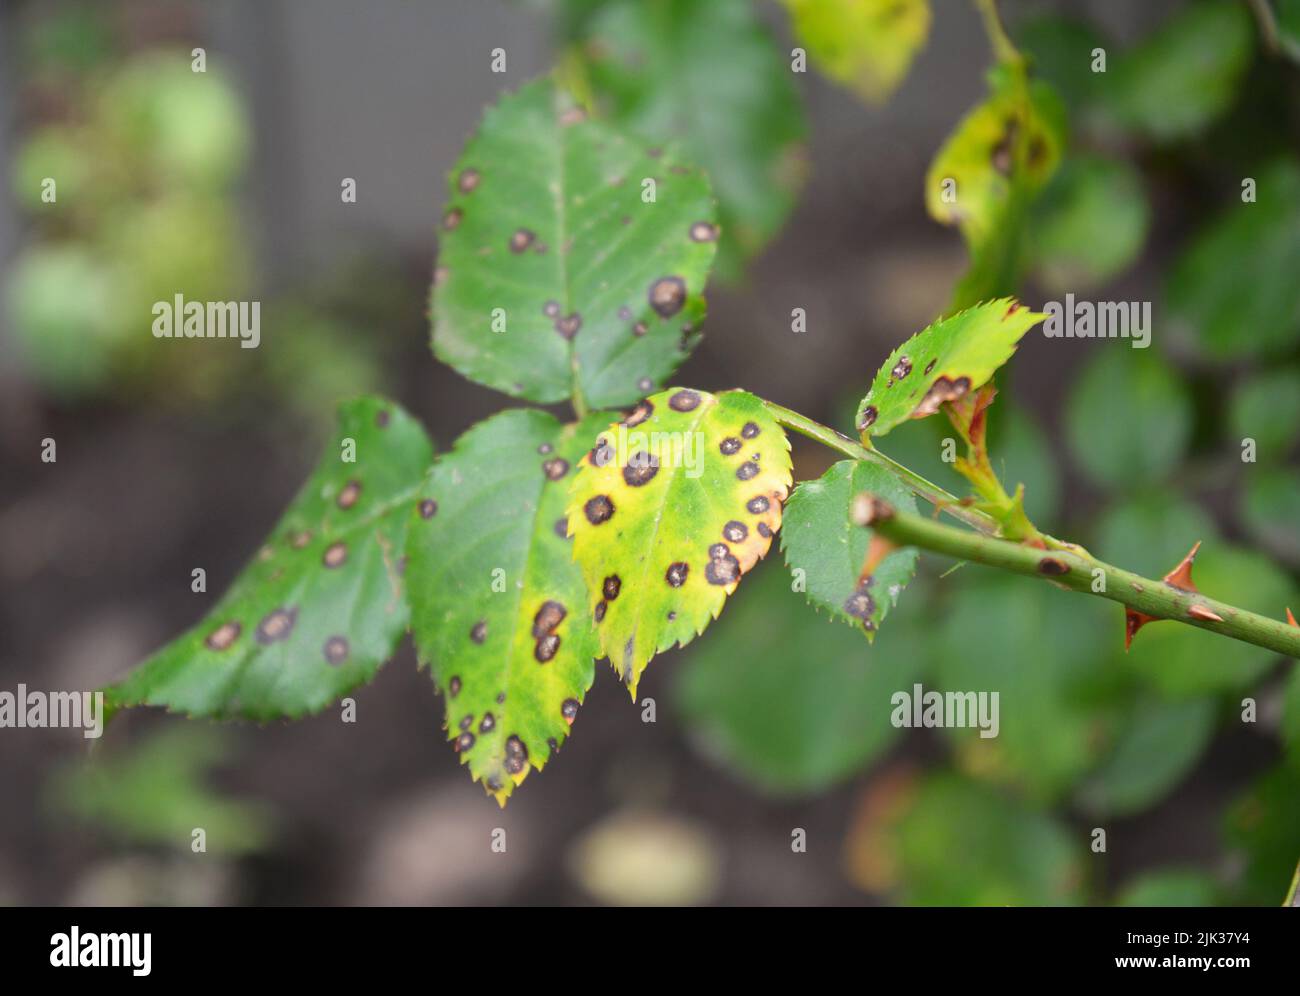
[
  {"x": 824, "y": 544},
  {"x": 865, "y": 45},
  {"x": 498, "y": 608},
  {"x": 709, "y": 75},
  {"x": 1181, "y": 78},
  {"x": 1235, "y": 285},
  {"x": 1090, "y": 223},
  {"x": 946, "y": 361},
  {"x": 1181, "y": 661},
  {"x": 1266, "y": 408},
  {"x": 154, "y": 793},
  {"x": 1014, "y": 139},
  {"x": 1291, "y": 716},
  {"x": 1270, "y": 508},
  {"x": 1170, "y": 887},
  {"x": 1159, "y": 745},
  {"x": 1152, "y": 532},
  {"x": 555, "y": 277},
  {"x": 321, "y": 606},
  {"x": 954, "y": 842},
  {"x": 1061, "y": 48},
  {"x": 1128, "y": 419},
  {"x": 1050, "y": 729},
  {"x": 1288, "y": 27},
  {"x": 670, "y": 508},
  {"x": 1262, "y": 827},
  {"x": 757, "y": 708}
]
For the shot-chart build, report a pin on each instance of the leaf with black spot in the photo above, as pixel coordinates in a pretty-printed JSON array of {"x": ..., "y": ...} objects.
[
  {"x": 678, "y": 500},
  {"x": 498, "y": 607},
  {"x": 708, "y": 75},
  {"x": 321, "y": 605},
  {"x": 820, "y": 539},
  {"x": 946, "y": 361},
  {"x": 555, "y": 278}
]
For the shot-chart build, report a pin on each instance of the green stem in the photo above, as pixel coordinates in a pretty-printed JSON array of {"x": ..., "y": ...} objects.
[
  {"x": 1267, "y": 25},
  {"x": 1001, "y": 44},
  {"x": 922, "y": 488},
  {"x": 1078, "y": 571}
]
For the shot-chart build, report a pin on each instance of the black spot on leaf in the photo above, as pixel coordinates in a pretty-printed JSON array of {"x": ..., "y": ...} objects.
[
  {"x": 684, "y": 401},
  {"x": 598, "y": 509},
  {"x": 676, "y": 574},
  {"x": 223, "y": 636}
]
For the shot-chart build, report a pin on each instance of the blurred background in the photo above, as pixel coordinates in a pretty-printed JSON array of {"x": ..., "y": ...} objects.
[{"x": 226, "y": 185}]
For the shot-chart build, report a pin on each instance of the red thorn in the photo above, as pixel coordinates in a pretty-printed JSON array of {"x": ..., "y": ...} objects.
[
  {"x": 1134, "y": 621},
  {"x": 1201, "y": 612},
  {"x": 1291, "y": 619},
  {"x": 1181, "y": 576}
]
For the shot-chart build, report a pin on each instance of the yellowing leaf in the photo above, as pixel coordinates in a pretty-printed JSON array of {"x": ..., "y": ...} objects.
[
  {"x": 1015, "y": 136},
  {"x": 867, "y": 45},
  {"x": 945, "y": 362},
  {"x": 669, "y": 509},
  {"x": 498, "y": 608}
]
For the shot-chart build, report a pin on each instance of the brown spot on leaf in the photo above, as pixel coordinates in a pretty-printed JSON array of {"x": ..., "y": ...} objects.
[
  {"x": 723, "y": 570},
  {"x": 452, "y": 218},
  {"x": 516, "y": 755},
  {"x": 569, "y": 710},
  {"x": 551, "y": 309},
  {"x": 667, "y": 296},
  {"x": 641, "y": 469},
  {"x": 860, "y": 605},
  {"x": 487, "y": 724},
  {"x": 676, "y": 574},
  {"x": 598, "y": 509},
  {"x": 550, "y": 615},
  {"x": 223, "y": 636},
  {"x": 568, "y": 325},
  {"x": 640, "y": 328},
  {"x": 929, "y": 366},
  {"x": 940, "y": 391},
  {"x": 764, "y": 530},
  {"x": 599, "y": 611},
  {"x": 704, "y": 231},
  {"x": 611, "y": 587},
  {"x": 562, "y": 528},
  {"x": 868, "y": 418},
  {"x": 901, "y": 369},
  {"x": 684, "y": 401},
  {"x": 276, "y": 625},
  {"x": 555, "y": 468},
  {"x": 601, "y": 454},
  {"x": 464, "y": 742},
  {"x": 478, "y": 632},
  {"x": 729, "y": 446},
  {"x": 735, "y": 532},
  {"x": 428, "y": 508},
  {"x": 643, "y": 410},
  {"x": 758, "y": 505},
  {"x": 547, "y": 647},
  {"x": 521, "y": 240},
  {"x": 382, "y": 418},
  {"x": 749, "y": 431},
  {"x": 467, "y": 181},
  {"x": 349, "y": 495},
  {"x": 300, "y": 539},
  {"x": 335, "y": 554},
  {"x": 747, "y": 470},
  {"x": 336, "y": 650}
]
